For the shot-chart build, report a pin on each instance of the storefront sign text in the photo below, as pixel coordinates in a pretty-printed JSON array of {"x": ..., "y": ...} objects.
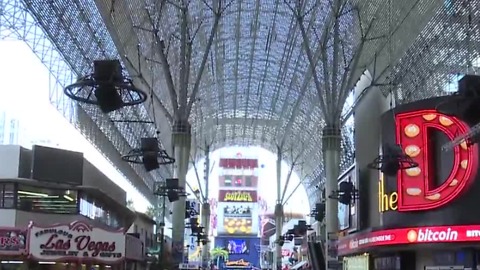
[
  {"x": 12, "y": 241},
  {"x": 237, "y": 196},
  {"x": 386, "y": 202},
  {"x": 439, "y": 234},
  {"x": 240, "y": 262},
  {"x": 77, "y": 240},
  {"x": 416, "y": 190}
]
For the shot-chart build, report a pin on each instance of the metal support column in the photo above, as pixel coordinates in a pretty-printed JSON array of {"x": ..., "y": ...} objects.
[
  {"x": 161, "y": 229},
  {"x": 278, "y": 213},
  {"x": 206, "y": 224},
  {"x": 181, "y": 137},
  {"x": 206, "y": 206},
  {"x": 331, "y": 141}
]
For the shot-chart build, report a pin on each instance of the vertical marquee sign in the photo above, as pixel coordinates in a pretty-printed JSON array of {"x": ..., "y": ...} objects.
[{"x": 415, "y": 186}]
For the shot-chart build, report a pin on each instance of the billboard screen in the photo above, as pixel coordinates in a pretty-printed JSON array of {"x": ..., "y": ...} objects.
[
  {"x": 237, "y": 210},
  {"x": 238, "y": 226},
  {"x": 237, "y": 218},
  {"x": 348, "y": 214},
  {"x": 237, "y": 246},
  {"x": 237, "y": 196},
  {"x": 242, "y": 251}
]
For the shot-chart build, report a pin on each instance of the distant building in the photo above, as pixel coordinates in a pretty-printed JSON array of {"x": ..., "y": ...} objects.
[{"x": 10, "y": 129}]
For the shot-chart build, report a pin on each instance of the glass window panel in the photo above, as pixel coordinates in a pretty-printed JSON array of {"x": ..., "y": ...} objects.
[
  {"x": 8, "y": 195},
  {"x": 248, "y": 181},
  {"x": 95, "y": 210}
]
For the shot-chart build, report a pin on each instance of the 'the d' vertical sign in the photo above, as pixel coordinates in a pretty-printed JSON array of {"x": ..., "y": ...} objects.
[{"x": 416, "y": 191}]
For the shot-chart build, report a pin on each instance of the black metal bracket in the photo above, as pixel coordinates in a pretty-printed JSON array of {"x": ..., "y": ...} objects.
[{"x": 337, "y": 194}]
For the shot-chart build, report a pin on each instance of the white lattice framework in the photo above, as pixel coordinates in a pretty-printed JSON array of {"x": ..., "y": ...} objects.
[{"x": 256, "y": 88}]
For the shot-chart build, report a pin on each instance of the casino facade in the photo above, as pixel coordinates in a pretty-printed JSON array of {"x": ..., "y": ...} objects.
[{"x": 424, "y": 217}]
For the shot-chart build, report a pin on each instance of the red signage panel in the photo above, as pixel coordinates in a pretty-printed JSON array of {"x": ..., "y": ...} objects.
[
  {"x": 416, "y": 188},
  {"x": 237, "y": 196},
  {"x": 238, "y": 163},
  {"x": 13, "y": 241},
  {"x": 417, "y": 235}
]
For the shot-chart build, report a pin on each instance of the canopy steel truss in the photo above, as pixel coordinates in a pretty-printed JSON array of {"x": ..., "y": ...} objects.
[{"x": 257, "y": 87}]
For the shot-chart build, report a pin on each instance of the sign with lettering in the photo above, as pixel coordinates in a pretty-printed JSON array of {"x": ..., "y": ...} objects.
[
  {"x": 13, "y": 241},
  {"x": 240, "y": 262},
  {"x": 186, "y": 266},
  {"x": 237, "y": 196},
  {"x": 76, "y": 241},
  {"x": 416, "y": 188},
  {"x": 361, "y": 242}
]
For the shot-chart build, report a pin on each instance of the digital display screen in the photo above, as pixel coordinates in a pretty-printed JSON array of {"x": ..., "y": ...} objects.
[
  {"x": 343, "y": 216},
  {"x": 237, "y": 211},
  {"x": 237, "y": 225},
  {"x": 237, "y": 246}
]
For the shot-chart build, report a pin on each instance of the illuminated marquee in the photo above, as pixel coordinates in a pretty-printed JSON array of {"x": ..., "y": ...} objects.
[
  {"x": 237, "y": 196},
  {"x": 240, "y": 262},
  {"x": 238, "y": 225},
  {"x": 356, "y": 243},
  {"x": 415, "y": 188}
]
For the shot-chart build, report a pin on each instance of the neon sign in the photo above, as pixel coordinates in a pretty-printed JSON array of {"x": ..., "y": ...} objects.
[
  {"x": 386, "y": 202},
  {"x": 240, "y": 262},
  {"x": 415, "y": 186},
  {"x": 237, "y": 196},
  {"x": 418, "y": 235}
]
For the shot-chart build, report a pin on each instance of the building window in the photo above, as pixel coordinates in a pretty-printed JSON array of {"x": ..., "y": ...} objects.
[
  {"x": 238, "y": 181},
  {"x": 13, "y": 131},
  {"x": 228, "y": 181},
  {"x": 7, "y": 195},
  {"x": 2, "y": 127},
  {"x": 95, "y": 210},
  {"x": 248, "y": 181},
  {"x": 56, "y": 201}
]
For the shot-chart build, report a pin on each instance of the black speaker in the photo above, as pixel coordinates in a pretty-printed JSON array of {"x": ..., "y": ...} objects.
[
  {"x": 319, "y": 211},
  {"x": 171, "y": 183},
  {"x": 172, "y": 196},
  {"x": 108, "y": 98},
  {"x": 106, "y": 73},
  {"x": 193, "y": 222},
  {"x": 150, "y": 151},
  {"x": 469, "y": 87}
]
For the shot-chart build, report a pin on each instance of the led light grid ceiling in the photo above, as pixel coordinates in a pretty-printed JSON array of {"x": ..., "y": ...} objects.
[{"x": 257, "y": 87}]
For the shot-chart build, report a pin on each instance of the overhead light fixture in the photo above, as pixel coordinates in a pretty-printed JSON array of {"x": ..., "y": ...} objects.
[
  {"x": 32, "y": 193},
  {"x": 392, "y": 160},
  {"x": 106, "y": 87},
  {"x": 346, "y": 193},
  {"x": 68, "y": 198},
  {"x": 149, "y": 154}
]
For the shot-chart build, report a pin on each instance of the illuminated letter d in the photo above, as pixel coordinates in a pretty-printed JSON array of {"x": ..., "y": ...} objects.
[{"x": 416, "y": 189}]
